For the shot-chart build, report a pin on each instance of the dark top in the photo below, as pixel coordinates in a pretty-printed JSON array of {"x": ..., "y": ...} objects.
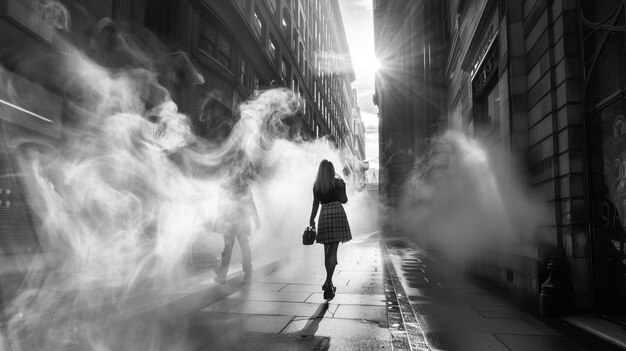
[{"x": 337, "y": 194}]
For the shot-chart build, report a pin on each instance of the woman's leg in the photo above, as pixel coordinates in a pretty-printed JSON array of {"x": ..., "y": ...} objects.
[
  {"x": 246, "y": 255},
  {"x": 330, "y": 261},
  {"x": 222, "y": 270}
]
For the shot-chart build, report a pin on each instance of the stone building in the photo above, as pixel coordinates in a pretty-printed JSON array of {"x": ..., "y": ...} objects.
[{"x": 542, "y": 79}]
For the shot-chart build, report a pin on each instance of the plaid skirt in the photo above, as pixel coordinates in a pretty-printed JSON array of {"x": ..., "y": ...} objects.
[{"x": 333, "y": 224}]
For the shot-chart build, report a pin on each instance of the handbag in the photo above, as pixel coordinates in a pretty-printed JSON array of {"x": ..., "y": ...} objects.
[{"x": 308, "y": 238}]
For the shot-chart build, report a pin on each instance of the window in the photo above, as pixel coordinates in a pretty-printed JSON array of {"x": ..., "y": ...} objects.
[
  {"x": 488, "y": 123},
  {"x": 224, "y": 51},
  {"x": 256, "y": 83},
  {"x": 243, "y": 72},
  {"x": 208, "y": 38},
  {"x": 258, "y": 23},
  {"x": 284, "y": 70},
  {"x": 294, "y": 39},
  {"x": 493, "y": 108},
  {"x": 214, "y": 40},
  {"x": 286, "y": 22},
  {"x": 272, "y": 48}
]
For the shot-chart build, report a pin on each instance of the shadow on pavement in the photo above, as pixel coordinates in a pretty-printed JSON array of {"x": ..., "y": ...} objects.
[{"x": 314, "y": 323}]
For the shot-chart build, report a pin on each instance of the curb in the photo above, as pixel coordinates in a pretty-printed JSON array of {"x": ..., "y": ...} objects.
[{"x": 406, "y": 331}]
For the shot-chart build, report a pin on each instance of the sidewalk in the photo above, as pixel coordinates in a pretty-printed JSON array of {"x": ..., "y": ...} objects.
[
  {"x": 456, "y": 312},
  {"x": 284, "y": 309},
  {"x": 390, "y": 296}
]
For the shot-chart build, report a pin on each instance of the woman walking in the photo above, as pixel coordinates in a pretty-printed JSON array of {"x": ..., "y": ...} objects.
[{"x": 333, "y": 228}]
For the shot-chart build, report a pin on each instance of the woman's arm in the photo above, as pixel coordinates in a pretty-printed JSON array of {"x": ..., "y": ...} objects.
[
  {"x": 343, "y": 198},
  {"x": 316, "y": 205}
]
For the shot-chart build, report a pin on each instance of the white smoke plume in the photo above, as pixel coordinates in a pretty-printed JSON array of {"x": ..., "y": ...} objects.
[{"x": 466, "y": 198}]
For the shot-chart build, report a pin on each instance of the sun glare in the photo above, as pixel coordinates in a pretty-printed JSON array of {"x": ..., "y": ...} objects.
[
  {"x": 367, "y": 63},
  {"x": 374, "y": 64}
]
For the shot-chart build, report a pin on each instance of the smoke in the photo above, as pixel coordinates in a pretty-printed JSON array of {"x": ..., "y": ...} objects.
[
  {"x": 129, "y": 194},
  {"x": 465, "y": 198}
]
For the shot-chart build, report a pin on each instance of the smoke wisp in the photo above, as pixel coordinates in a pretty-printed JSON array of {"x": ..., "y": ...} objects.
[{"x": 466, "y": 198}]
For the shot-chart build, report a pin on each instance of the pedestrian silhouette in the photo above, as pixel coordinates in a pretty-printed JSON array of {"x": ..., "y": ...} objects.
[
  {"x": 333, "y": 228},
  {"x": 236, "y": 209}
]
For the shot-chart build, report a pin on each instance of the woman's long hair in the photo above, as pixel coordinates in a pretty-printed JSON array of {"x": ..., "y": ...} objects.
[{"x": 325, "y": 181}]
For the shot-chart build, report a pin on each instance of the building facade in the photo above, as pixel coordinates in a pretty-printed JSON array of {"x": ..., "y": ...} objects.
[
  {"x": 543, "y": 79},
  {"x": 409, "y": 94},
  {"x": 300, "y": 45}
]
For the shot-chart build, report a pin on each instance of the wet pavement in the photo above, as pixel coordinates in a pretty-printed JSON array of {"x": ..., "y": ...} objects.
[
  {"x": 457, "y": 312},
  {"x": 390, "y": 296},
  {"x": 284, "y": 308}
]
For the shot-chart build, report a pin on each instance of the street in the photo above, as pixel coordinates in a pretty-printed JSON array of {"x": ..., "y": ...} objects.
[{"x": 390, "y": 296}]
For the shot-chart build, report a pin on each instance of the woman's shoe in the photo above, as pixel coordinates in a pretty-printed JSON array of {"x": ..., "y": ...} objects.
[
  {"x": 329, "y": 291},
  {"x": 327, "y": 294},
  {"x": 220, "y": 275},
  {"x": 332, "y": 292}
]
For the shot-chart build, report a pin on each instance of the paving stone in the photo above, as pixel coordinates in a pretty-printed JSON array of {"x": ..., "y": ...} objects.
[
  {"x": 459, "y": 341},
  {"x": 374, "y": 288},
  {"x": 479, "y": 325},
  {"x": 262, "y": 286},
  {"x": 350, "y": 299},
  {"x": 360, "y": 268},
  {"x": 437, "y": 309},
  {"x": 302, "y": 288},
  {"x": 222, "y": 305},
  {"x": 343, "y": 334},
  {"x": 538, "y": 343},
  {"x": 266, "y": 323},
  {"x": 218, "y": 320},
  {"x": 199, "y": 337},
  {"x": 449, "y": 284},
  {"x": 498, "y": 311},
  {"x": 288, "y": 296},
  {"x": 360, "y": 281},
  {"x": 301, "y": 279},
  {"x": 376, "y": 314},
  {"x": 245, "y": 341},
  {"x": 353, "y": 274},
  {"x": 280, "y": 308},
  {"x": 469, "y": 296}
]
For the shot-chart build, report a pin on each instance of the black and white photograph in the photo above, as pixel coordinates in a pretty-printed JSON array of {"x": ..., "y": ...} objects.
[{"x": 294, "y": 175}]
